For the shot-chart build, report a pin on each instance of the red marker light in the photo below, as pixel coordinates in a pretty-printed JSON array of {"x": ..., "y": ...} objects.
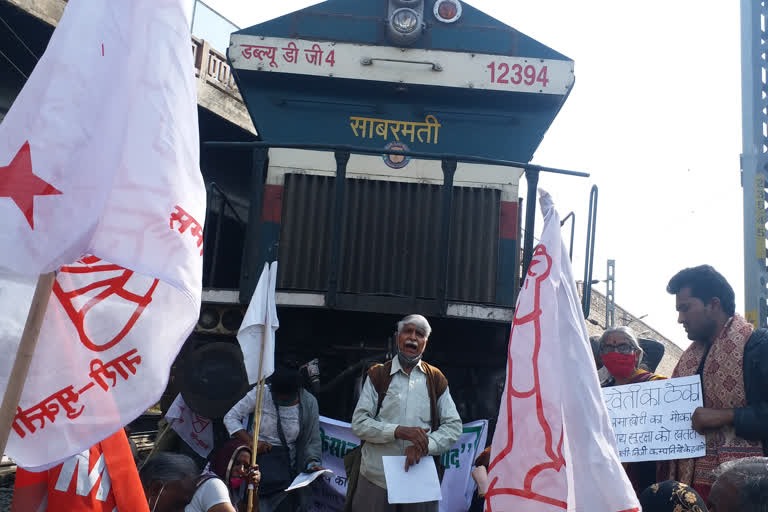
[{"x": 447, "y": 11}]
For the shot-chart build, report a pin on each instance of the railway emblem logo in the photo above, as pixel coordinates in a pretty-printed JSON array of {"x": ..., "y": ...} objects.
[{"x": 396, "y": 161}]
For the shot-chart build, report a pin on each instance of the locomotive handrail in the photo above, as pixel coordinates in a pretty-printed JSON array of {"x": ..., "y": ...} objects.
[
  {"x": 412, "y": 154},
  {"x": 368, "y": 61}
]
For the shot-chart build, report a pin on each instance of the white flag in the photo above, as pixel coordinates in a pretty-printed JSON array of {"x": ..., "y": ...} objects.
[
  {"x": 259, "y": 324},
  {"x": 553, "y": 448},
  {"x": 100, "y": 178},
  {"x": 195, "y": 430}
]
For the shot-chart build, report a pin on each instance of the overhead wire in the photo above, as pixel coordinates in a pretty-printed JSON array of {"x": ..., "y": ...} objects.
[
  {"x": 14, "y": 65},
  {"x": 19, "y": 39}
]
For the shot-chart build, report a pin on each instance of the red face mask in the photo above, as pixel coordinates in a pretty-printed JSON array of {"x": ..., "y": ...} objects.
[{"x": 620, "y": 365}]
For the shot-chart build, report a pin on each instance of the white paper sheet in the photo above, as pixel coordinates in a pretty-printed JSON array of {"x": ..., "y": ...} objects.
[
  {"x": 304, "y": 479},
  {"x": 418, "y": 485}
]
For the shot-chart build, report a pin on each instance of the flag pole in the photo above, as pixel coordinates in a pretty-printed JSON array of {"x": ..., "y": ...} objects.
[
  {"x": 257, "y": 416},
  {"x": 156, "y": 444},
  {"x": 24, "y": 355}
]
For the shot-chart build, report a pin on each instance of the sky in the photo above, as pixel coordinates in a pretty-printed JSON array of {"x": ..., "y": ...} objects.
[{"x": 654, "y": 117}]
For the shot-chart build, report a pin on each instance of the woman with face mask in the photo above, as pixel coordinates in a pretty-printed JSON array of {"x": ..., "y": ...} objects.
[
  {"x": 621, "y": 355},
  {"x": 223, "y": 486}
]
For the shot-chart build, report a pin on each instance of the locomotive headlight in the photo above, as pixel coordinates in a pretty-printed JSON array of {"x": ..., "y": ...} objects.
[
  {"x": 447, "y": 11},
  {"x": 405, "y": 20}
]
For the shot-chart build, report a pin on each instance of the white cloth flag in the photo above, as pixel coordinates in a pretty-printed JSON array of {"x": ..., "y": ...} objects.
[
  {"x": 195, "y": 430},
  {"x": 260, "y": 323},
  {"x": 553, "y": 448},
  {"x": 100, "y": 178}
]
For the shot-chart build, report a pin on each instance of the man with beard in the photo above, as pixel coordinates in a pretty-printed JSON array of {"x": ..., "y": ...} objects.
[
  {"x": 405, "y": 408},
  {"x": 732, "y": 360}
]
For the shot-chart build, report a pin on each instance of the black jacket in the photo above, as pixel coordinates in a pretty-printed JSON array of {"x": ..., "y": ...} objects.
[{"x": 751, "y": 422}]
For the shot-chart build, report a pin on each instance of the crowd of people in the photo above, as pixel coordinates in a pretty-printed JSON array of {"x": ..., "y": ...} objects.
[{"x": 405, "y": 408}]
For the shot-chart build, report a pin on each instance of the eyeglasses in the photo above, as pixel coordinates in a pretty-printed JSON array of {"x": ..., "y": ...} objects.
[{"x": 621, "y": 349}]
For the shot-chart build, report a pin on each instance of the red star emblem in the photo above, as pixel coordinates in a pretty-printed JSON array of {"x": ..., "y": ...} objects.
[{"x": 18, "y": 182}]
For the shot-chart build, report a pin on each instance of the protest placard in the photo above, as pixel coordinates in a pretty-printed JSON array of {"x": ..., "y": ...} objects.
[
  {"x": 329, "y": 491},
  {"x": 652, "y": 420}
]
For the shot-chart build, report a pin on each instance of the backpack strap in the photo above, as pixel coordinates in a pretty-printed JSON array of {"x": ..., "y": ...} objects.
[
  {"x": 381, "y": 378},
  {"x": 204, "y": 478},
  {"x": 436, "y": 386}
]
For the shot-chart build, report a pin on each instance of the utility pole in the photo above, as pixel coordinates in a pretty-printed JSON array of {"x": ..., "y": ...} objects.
[
  {"x": 754, "y": 158},
  {"x": 610, "y": 295}
]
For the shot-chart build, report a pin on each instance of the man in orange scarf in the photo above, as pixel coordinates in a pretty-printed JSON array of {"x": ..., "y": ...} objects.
[{"x": 732, "y": 361}]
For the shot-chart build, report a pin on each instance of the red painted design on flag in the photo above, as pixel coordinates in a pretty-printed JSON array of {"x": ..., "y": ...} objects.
[
  {"x": 199, "y": 423},
  {"x": 546, "y": 457},
  {"x": 113, "y": 286},
  {"x": 50, "y": 408},
  {"x": 18, "y": 182},
  {"x": 185, "y": 221}
]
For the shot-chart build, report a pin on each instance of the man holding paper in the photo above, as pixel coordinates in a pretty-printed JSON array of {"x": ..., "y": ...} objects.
[
  {"x": 405, "y": 408},
  {"x": 732, "y": 360}
]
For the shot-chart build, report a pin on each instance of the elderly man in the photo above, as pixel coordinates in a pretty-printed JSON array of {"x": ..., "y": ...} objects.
[
  {"x": 732, "y": 361},
  {"x": 741, "y": 486},
  {"x": 405, "y": 408}
]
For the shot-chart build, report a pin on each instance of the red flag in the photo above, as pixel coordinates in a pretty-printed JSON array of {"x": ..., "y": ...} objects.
[{"x": 101, "y": 479}]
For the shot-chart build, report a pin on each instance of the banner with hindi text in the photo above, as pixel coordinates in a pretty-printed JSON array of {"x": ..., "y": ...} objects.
[
  {"x": 652, "y": 420},
  {"x": 329, "y": 492}
]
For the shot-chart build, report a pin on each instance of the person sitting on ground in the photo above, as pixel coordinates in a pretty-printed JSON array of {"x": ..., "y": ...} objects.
[
  {"x": 621, "y": 355},
  {"x": 168, "y": 480},
  {"x": 741, "y": 486},
  {"x": 288, "y": 444},
  {"x": 223, "y": 485},
  {"x": 671, "y": 496}
]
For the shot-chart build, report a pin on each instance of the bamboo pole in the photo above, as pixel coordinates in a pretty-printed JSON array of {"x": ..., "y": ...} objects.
[
  {"x": 257, "y": 414},
  {"x": 24, "y": 355},
  {"x": 159, "y": 437}
]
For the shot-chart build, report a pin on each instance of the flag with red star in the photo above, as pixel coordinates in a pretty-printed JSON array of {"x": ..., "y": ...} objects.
[{"x": 100, "y": 181}]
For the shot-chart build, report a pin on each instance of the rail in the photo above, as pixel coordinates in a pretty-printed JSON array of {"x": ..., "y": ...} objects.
[
  {"x": 589, "y": 259},
  {"x": 213, "y": 191}
]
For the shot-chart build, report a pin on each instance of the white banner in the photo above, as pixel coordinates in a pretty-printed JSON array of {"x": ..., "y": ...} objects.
[
  {"x": 457, "y": 487},
  {"x": 652, "y": 420},
  {"x": 195, "y": 430}
]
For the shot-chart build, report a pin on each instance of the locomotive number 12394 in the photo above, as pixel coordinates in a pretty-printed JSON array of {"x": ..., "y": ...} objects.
[{"x": 516, "y": 74}]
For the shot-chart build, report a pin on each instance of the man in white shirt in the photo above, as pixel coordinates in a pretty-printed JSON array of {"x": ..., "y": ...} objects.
[{"x": 402, "y": 422}]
